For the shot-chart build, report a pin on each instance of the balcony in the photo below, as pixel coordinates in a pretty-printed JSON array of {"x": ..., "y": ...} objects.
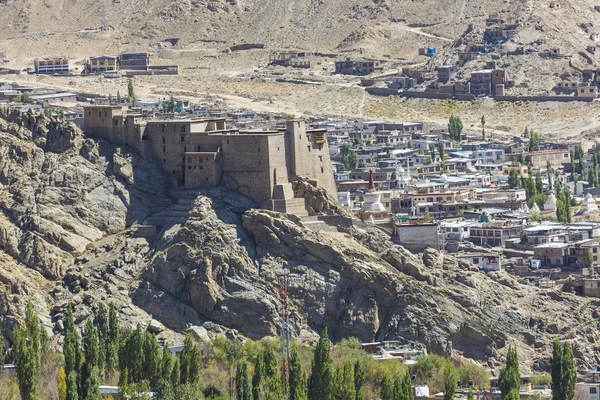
[{"x": 319, "y": 137}]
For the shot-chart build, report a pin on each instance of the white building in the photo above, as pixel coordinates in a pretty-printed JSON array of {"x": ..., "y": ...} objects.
[
  {"x": 488, "y": 156},
  {"x": 457, "y": 230},
  {"x": 588, "y": 390},
  {"x": 485, "y": 261}
]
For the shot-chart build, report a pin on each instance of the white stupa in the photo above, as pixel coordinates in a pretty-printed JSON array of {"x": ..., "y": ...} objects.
[
  {"x": 550, "y": 204},
  {"x": 373, "y": 209},
  {"x": 402, "y": 177},
  {"x": 588, "y": 204}
]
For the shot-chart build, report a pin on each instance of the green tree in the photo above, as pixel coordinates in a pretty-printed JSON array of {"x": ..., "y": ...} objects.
[
  {"x": 569, "y": 373},
  {"x": 130, "y": 91},
  {"x": 295, "y": 380},
  {"x": 470, "y": 395},
  {"x": 530, "y": 189},
  {"x": 386, "y": 389},
  {"x": 556, "y": 370},
  {"x": 321, "y": 375},
  {"x": 119, "y": 100},
  {"x": 549, "y": 173},
  {"x": 359, "y": 380},
  {"x": 61, "y": 384},
  {"x": 513, "y": 179},
  {"x": 450, "y": 381},
  {"x": 258, "y": 376},
  {"x": 533, "y": 142},
  {"x": 432, "y": 148},
  {"x": 523, "y": 237},
  {"x": 124, "y": 391},
  {"x": 455, "y": 127},
  {"x": 71, "y": 347},
  {"x": 167, "y": 363},
  {"x": 103, "y": 337},
  {"x": 441, "y": 150},
  {"x": 344, "y": 382},
  {"x": 483, "y": 127},
  {"x": 131, "y": 355},
  {"x": 88, "y": 382},
  {"x": 112, "y": 345},
  {"x": 510, "y": 378},
  {"x": 152, "y": 360},
  {"x": 242, "y": 382},
  {"x": 189, "y": 369},
  {"x": 27, "y": 354},
  {"x": 589, "y": 261},
  {"x": 72, "y": 387},
  {"x": 110, "y": 98}
]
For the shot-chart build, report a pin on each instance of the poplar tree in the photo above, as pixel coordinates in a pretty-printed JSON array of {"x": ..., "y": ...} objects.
[
  {"x": 258, "y": 376},
  {"x": 483, "y": 127},
  {"x": 386, "y": 389},
  {"x": 88, "y": 382},
  {"x": 27, "y": 359},
  {"x": 510, "y": 378},
  {"x": 455, "y": 127},
  {"x": 103, "y": 340},
  {"x": 72, "y": 387},
  {"x": 71, "y": 347},
  {"x": 190, "y": 362},
  {"x": 344, "y": 382},
  {"x": 295, "y": 379},
  {"x": 556, "y": 370},
  {"x": 321, "y": 375},
  {"x": 450, "y": 380},
  {"x": 539, "y": 185},
  {"x": 359, "y": 380},
  {"x": 563, "y": 373},
  {"x": 152, "y": 360},
  {"x": 569, "y": 373},
  {"x": 242, "y": 382},
  {"x": 112, "y": 346}
]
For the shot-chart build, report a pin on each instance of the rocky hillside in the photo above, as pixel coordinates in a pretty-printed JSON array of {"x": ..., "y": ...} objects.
[{"x": 68, "y": 205}]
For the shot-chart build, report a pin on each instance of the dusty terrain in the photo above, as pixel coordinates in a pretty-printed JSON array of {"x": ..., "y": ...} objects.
[{"x": 204, "y": 31}]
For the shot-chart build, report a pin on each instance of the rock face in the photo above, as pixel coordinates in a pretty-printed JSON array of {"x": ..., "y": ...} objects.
[{"x": 66, "y": 215}]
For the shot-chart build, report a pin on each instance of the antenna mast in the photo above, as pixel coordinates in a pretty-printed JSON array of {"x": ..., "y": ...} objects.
[
  {"x": 285, "y": 334},
  {"x": 104, "y": 16}
]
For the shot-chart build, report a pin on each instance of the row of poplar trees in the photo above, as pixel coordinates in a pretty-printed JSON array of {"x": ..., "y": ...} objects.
[
  {"x": 563, "y": 373},
  {"x": 324, "y": 383},
  {"x": 102, "y": 351}
]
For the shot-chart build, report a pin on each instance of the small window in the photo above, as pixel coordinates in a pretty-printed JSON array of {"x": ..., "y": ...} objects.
[
  {"x": 183, "y": 138},
  {"x": 164, "y": 140},
  {"x": 182, "y": 128},
  {"x": 593, "y": 390}
]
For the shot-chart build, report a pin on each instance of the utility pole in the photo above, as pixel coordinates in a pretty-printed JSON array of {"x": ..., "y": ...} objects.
[
  {"x": 104, "y": 16},
  {"x": 285, "y": 334}
]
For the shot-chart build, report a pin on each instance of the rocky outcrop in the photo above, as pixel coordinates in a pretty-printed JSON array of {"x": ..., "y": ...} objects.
[
  {"x": 318, "y": 200},
  {"x": 60, "y": 192}
]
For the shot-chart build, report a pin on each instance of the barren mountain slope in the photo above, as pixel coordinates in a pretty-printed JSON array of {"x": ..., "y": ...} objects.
[{"x": 56, "y": 26}]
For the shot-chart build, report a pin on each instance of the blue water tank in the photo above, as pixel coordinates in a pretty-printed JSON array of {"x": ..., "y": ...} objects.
[{"x": 431, "y": 50}]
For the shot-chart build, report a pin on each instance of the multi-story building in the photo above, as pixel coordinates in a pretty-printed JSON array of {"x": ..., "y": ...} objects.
[
  {"x": 134, "y": 61},
  {"x": 51, "y": 65},
  {"x": 199, "y": 153},
  {"x": 489, "y": 156},
  {"x": 494, "y": 233},
  {"x": 103, "y": 64},
  {"x": 481, "y": 82},
  {"x": 357, "y": 67}
]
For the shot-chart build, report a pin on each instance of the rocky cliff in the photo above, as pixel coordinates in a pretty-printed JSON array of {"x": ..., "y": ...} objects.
[{"x": 68, "y": 209}]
